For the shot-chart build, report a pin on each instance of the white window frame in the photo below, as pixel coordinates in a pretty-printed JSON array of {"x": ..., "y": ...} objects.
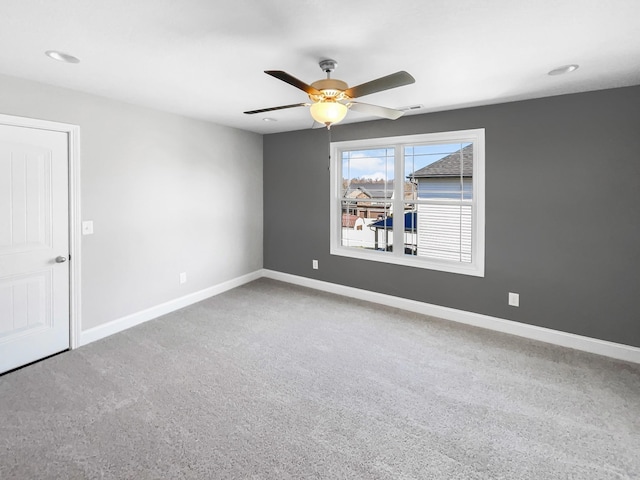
[{"x": 397, "y": 256}]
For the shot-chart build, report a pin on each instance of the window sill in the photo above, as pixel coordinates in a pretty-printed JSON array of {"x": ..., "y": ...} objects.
[{"x": 471, "y": 269}]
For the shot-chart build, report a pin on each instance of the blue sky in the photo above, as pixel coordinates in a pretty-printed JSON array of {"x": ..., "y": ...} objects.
[{"x": 377, "y": 164}]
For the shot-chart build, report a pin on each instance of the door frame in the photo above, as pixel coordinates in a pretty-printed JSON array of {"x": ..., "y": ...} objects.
[{"x": 75, "y": 219}]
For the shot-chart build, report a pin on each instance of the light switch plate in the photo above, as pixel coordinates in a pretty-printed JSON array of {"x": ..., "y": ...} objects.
[{"x": 87, "y": 227}]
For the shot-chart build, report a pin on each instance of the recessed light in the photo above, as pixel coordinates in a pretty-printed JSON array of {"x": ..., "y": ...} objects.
[
  {"x": 564, "y": 69},
  {"x": 61, "y": 57},
  {"x": 269, "y": 119}
]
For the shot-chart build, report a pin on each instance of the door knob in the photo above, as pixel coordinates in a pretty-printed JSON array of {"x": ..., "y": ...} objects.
[{"x": 61, "y": 259}]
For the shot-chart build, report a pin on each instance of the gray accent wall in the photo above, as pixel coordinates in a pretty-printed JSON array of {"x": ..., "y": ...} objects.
[
  {"x": 167, "y": 194},
  {"x": 562, "y": 213}
]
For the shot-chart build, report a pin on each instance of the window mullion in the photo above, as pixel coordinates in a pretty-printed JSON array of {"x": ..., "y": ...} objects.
[{"x": 398, "y": 202}]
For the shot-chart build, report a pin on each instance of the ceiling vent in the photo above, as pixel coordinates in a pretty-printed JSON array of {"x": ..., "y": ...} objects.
[{"x": 410, "y": 108}]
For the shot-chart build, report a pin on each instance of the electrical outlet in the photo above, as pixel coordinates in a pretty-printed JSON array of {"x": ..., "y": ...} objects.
[
  {"x": 514, "y": 299},
  {"x": 315, "y": 264},
  {"x": 183, "y": 277}
]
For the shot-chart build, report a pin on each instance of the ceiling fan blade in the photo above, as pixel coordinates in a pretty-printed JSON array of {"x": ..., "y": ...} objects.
[
  {"x": 291, "y": 80},
  {"x": 376, "y": 110},
  {"x": 282, "y": 107},
  {"x": 394, "y": 80}
]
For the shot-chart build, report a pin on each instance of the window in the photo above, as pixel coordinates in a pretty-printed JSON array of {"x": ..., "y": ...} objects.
[{"x": 433, "y": 184}]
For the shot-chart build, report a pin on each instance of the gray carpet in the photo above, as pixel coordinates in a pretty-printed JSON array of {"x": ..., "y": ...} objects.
[{"x": 272, "y": 381}]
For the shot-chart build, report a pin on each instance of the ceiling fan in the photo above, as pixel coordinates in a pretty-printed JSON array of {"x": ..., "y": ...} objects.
[{"x": 332, "y": 98}]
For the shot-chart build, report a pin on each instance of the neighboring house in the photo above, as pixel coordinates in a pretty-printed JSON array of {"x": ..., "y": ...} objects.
[
  {"x": 442, "y": 178},
  {"x": 372, "y": 202},
  {"x": 444, "y": 224},
  {"x": 349, "y": 220},
  {"x": 362, "y": 193}
]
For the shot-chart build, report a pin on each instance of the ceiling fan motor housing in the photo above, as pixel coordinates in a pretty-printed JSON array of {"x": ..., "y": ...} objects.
[{"x": 331, "y": 88}]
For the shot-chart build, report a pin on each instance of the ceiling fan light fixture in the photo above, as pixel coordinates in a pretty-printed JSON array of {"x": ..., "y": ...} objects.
[{"x": 328, "y": 113}]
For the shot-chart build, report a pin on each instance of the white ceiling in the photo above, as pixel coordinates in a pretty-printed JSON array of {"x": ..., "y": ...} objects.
[{"x": 205, "y": 58}]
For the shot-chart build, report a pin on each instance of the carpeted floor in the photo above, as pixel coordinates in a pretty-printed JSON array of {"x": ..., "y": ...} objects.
[{"x": 272, "y": 381}]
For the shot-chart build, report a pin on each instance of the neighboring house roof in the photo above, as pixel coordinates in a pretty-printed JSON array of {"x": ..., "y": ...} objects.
[
  {"x": 449, "y": 166},
  {"x": 358, "y": 192},
  {"x": 369, "y": 190}
]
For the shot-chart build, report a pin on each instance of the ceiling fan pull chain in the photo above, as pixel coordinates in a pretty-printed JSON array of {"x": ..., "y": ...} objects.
[{"x": 329, "y": 130}]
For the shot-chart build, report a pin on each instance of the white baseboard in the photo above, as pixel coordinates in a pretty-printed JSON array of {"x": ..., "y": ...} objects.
[
  {"x": 555, "y": 337},
  {"x": 115, "y": 326}
]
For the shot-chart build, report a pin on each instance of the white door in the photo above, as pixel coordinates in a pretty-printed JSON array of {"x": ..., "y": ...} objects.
[{"x": 34, "y": 245}]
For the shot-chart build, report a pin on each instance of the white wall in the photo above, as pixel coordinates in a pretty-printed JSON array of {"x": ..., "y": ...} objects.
[{"x": 167, "y": 194}]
